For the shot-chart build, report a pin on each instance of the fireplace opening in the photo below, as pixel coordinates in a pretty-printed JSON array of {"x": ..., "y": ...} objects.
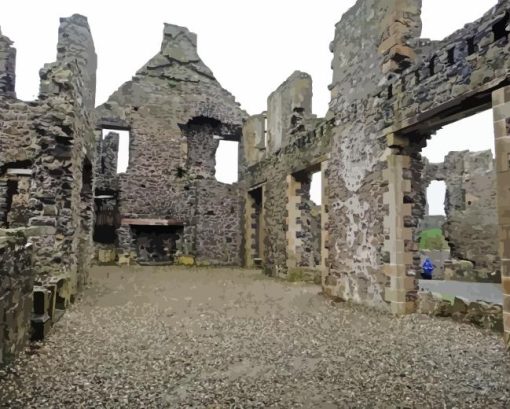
[{"x": 157, "y": 244}]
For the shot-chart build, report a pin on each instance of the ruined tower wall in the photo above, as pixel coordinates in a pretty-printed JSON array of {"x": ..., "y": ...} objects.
[
  {"x": 380, "y": 129},
  {"x": 47, "y": 152},
  {"x": 16, "y": 283},
  {"x": 175, "y": 111},
  {"x": 106, "y": 164},
  {"x": 358, "y": 169}
]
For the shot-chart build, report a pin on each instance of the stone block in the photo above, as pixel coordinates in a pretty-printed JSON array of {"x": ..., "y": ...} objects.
[
  {"x": 460, "y": 305},
  {"x": 186, "y": 260}
]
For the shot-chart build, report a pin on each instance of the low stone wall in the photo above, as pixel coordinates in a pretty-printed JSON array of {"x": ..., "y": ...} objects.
[
  {"x": 479, "y": 313},
  {"x": 16, "y": 285}
]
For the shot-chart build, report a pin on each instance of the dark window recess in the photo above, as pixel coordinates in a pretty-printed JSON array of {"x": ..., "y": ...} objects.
[
  {"x": 451, "y": 56},
  {"x": 471, "y": 46},
  {"x": 390, "y": 91},
  {"x": 417, "y": 76},
  {"x": 12, "y": 190},
  {"x": 432, "y": 65},
  {"x": 210, "y": 213},
  {"x": 500, "y": 29}
]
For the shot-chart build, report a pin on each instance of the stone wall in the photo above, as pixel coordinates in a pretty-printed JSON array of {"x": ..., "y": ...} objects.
[
  {"x": 7, "y": 67},
  {"x": 16, "y": 284},
  {"x": 176, "y": 113},
  {"x": 471, "y": 226},
  {"x": 297, "y": 145},
  {"x": 470, "y": 206},
  {"x": 47, "y": 153}
]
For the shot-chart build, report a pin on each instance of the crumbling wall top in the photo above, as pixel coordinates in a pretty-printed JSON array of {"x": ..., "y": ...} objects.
[
  {"x": 176, "y": 85},
  {"x": 75, "y": 43},
  {"x": 288, "y": 108},
  {"x": 179, "y": 44},
  {"x": 370, "y": 33},
  {"x": 7, "y": 67}
]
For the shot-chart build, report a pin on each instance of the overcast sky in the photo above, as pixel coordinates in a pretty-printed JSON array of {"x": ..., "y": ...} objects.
[{"x": 251, "y": 46}]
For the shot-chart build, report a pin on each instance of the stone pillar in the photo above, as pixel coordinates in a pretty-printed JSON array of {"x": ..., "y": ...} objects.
[
  {"x": 401, "y": 284},
  {"x": 501, "y": 110},
  {"x": 324, "y": 218},
  {"x": 249, "y": 233}
]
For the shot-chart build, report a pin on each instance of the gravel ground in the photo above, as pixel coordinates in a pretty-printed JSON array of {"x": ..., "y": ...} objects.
[{"x": 226, "y": 338}]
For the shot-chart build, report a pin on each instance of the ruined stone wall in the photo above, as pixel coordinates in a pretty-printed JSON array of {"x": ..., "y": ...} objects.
[
  {"x": 288, "y": 107},
  {"x": 7, "y": 67},
  {"x": 106, "y": 163},
  {"x": 175, "y": 111},
  {"x": 303, "y": 144},
  {"x": 471, "y": 226},
  {"x": 380, "y": 128},
  {"x": 218, "y": 210},
  {"x": 358, "y": 174},
  {"x": 16, "y": 284},
  {"x": 48, "y": 141}
]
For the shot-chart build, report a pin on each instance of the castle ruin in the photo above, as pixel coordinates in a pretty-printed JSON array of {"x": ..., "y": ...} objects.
[{"x": 63, "y": 205}]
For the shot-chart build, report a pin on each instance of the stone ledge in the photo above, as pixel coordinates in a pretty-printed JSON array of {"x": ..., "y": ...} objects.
[{"x": 479, "y": 313}]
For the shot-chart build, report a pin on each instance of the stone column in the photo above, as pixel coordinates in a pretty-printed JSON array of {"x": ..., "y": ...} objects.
[
  {"x": 293, "y": 214},
  {"x": 400, "y": 260},
  {"x": 501, "y": 110},
  {"x": 249, "y": 234},
  {"x": 324, "y": 218}
]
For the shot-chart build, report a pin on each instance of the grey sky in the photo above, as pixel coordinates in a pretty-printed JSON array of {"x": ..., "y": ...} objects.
[{"x": 251, "y": 46}]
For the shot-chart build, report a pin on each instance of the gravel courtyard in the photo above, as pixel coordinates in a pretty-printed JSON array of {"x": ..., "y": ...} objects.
[{"x": 230, "y": 338}]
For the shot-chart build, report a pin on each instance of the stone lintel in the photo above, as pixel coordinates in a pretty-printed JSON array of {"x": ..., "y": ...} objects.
[{"x": 151, "y": 222}]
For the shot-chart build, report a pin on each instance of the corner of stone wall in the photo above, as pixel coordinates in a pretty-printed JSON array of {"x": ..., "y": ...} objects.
[{"x": 399, "y": 268}]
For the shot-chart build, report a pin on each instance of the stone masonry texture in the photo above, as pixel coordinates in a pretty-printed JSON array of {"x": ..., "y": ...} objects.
[
  {"x": 391, "y": 90},
  {"x": 175, "y": 111}
]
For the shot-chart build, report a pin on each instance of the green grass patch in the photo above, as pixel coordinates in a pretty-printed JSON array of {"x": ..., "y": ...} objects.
[{"x": 433, "y": 239}]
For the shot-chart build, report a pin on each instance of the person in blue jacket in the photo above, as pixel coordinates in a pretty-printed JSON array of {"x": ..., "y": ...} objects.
[{"x": 428, "y": 268}]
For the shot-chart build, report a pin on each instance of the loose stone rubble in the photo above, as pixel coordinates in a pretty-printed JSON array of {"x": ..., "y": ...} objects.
[
  {"x": 220, "y": 338},
  {"x": 391, "y": 91}
]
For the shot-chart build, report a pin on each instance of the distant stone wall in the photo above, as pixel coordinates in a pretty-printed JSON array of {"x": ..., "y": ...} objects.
[
  {"x": 472, "y": 222},
  {"x": 470, "y": 225},
  {"x": 433, "y": 222},
  {"x": 297, "y": 146},
  {"x": 16, "y": 284},
  {"x": 47, "y": 156}
]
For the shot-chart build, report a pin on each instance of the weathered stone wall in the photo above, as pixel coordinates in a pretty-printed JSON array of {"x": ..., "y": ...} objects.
[
  {"x": 218, "y": 210},
  {"x": 471, "y": 226},
  {"x": 47, "y": 153},
  {"x": 470, "y": 206},
  {"x": 302, "y": 143},
  {"x": 288, "y": 107},
  {"x": 106, "y": 164},
  {"x": 16, "y": 284},
  {"x": 360, "y": 187},
  {"x": 175, "y": 111},
  {"x": 380, "y": 131},
  {"x": 7, "y": 67}
]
